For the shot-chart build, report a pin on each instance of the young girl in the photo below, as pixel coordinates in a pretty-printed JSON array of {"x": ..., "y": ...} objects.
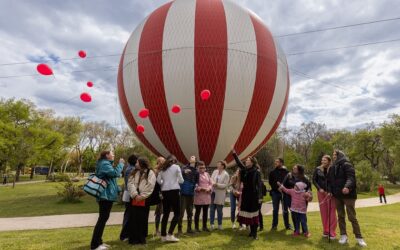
[
  {"x": 202, "y": 196},
  {"x": 234, "y": 184},
  {"x": 298, "y": 207}
]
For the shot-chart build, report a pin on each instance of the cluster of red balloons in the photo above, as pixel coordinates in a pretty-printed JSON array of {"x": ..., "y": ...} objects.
[
  {"x": 176, "y": 109},
  {"x": 46, "y": 70}
]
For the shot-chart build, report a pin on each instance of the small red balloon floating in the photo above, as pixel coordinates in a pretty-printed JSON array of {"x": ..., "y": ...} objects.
[
  {"x": 176, "y": 109},
  {"x": 44, "y": 69},
  {"x": 82, "y": 54},
  {"x": 89, "y": 84},
  {"x": 140, "y": 128},
  {"x": 85, "y": 97},
  {"x": 144, "y": 113},
  {"x": 205, "y": 94}
]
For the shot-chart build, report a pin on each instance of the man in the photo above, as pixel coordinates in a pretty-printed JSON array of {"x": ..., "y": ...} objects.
[
  {"x": 191, "y": 179},
  {"x": 278, "y": 175},
  {"x": 126, "y": 198},
  {"x": 342, "y": 185}
]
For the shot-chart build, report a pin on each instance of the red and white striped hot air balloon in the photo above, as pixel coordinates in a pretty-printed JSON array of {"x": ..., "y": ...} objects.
[{"x": 186, "y": 46}]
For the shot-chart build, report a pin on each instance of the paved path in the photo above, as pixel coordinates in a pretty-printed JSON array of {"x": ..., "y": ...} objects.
[
  {"x": 85, "y": 220},
  {"x": 21, "y": 183}
]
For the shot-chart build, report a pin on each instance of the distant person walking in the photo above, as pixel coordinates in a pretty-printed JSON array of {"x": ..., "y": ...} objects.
[
  {"x": 126, "y": 197},
  {"x": 342, "y": 183},
  {"x": 105, "y": 171},
  {"x": 327, "y": 203},
  {"x": 381, "y": 191},
  {"x": 169, "y": 179}
]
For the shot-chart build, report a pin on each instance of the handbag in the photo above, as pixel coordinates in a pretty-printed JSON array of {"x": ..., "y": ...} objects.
[
  {"x": 136, "y": 203},
  {"x": 95, "y": 186},
  {"x": 126, "y": 196}
]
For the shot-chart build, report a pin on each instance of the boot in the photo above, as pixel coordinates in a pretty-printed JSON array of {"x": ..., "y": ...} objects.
[{"x": 189, "y": 228}]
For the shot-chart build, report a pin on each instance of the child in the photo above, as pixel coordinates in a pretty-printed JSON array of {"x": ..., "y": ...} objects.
[
  {"x": 381, "y": 191},
  {"x": 202, "y": 197},
  {"x": 298, "y": 207}
]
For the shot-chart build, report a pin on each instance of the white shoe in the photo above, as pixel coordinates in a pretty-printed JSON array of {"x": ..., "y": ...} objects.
[
  {"x": 361, "y": 242},
  {"x": 243, "y": 227},
  {"x": 106, "y": 245},
  {"x": 212, "y": 227},
  {"x": 171, "y": 238},
  {"x": 219, "y": 227},
  {"x": 233, "y": 226},
  {"x": 343, "y": 239},
  {"x": 101, "y": 247},
  {"x": 332, "y": 237}
]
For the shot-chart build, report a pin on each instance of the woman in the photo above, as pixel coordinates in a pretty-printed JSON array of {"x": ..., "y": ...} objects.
[
  {"x": 202, "y": 197},
  {"x": 220, "y": 179},
  {"x": 234, "y": 183},
  {"x": 342, "y": 184},
  {"x": 169, "y": 179},
  {"x": 327, "y": 203},
  {"x": 159, "y": 207},
  {"x": 251, "y": 193},
  {"x": 105, "y": 171},
  {"x": 140, "y": 186},
  {"x": 126, "y": 197}
]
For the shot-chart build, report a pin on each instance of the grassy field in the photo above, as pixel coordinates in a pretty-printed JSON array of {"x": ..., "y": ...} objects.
[
  {"x": 41, "y": 199},
  {"x": 378, "y": 224}
]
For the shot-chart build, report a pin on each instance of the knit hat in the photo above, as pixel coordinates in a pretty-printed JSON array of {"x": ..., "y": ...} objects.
[{"x": 301, "y": 185}]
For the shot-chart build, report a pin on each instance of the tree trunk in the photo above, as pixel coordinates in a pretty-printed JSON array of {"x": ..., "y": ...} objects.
[
  {"x": 32, "y": 172},
  {"x": 50, "y": 168},
  {"x": 20, "y": 165}
]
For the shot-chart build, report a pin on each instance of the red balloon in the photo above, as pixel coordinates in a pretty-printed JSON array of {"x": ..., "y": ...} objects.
[
  {"x": 176, "y": 109},
  {"x": 140, "y": 128},
  {"x": 82, "y": 53},
  {"x": 144, "y": 113},
  {"x": 44, "y": 69},
  {"x": 89, "y": 84},
  {"x": 85, "y": 97},
  {"x": 205, "y": 94}
]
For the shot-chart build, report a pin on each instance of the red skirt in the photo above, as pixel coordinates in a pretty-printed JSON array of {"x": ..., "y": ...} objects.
[{"x": 248, "y": 218}]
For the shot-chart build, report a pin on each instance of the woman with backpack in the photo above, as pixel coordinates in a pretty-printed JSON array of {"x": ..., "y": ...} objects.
[
  {"x": 106, "y": 172},
  {"x": 169, "y": 179},
  {"x": 140, "y": 185}
]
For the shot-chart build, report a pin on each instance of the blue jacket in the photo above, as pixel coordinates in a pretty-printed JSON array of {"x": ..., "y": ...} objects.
[
  {"x": 105, "y": 171},
  {"x": 191, "y": 179}
]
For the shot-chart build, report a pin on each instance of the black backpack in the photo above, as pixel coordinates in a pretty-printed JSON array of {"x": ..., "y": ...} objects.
[{"x": 155, "y": 197}]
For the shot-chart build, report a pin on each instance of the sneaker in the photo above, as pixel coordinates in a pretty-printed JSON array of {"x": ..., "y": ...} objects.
[
  {"x": 171, "y": 238},
  {"x": 212, "y": 227},
  {"x": 163, "y": 238},
  {"x": 343, "y": 239},
  {"x": 274, "y": 228},
  {"x": 325, "y": 235},
  {"x": 295, "y": 234},
  {"x": 243, "y": 227},
  {"x": 233, "y": 226},
  {"x": 307, "y": 235},
  {"x": 361, "y": 242},
  {"x": 106, "y": 245},
  {"x": 101, "y": 247},
  {"x": 219, "y": 227},
  {"x": 332, "y": 237}
]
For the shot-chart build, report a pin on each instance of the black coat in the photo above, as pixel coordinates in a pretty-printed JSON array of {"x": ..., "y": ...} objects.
[
  {"x": 342, "y": 175},
  {"x": 320, "y": 178},
  {"x": 252, "y": 187},
  {"x": 278, "y": 174}
]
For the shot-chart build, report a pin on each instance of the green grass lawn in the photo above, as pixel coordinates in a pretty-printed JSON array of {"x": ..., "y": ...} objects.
[
  {"x": 378, "y": 224},
  {"x": 27, "y": 177},
  {"x": 41, "y": 199}
]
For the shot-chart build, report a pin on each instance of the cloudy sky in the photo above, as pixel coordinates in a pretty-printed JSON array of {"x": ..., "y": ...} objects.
[{"x": 342, "y": 88}]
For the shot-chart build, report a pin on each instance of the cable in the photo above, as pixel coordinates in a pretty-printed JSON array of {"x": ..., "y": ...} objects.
[{"x": 338, "y": 27}]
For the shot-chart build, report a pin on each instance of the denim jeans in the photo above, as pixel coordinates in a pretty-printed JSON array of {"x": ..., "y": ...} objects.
[
  {"x": 300, "y": 219},
  {"x": 233, "y": 207},
  {"x": 277, "y": 198},
  {"x": 212, "y": 211}
]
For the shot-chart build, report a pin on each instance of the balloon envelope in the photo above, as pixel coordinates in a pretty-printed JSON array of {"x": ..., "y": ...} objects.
[
  {"x": 44, "y": 69},
  {"x": 85, "y": 97},
  {"x": 185, "y": 47},
  {"x": 82, "y": 54}
]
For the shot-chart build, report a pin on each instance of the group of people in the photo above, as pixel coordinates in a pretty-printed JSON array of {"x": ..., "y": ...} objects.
[{"x": 176, "y": 189}]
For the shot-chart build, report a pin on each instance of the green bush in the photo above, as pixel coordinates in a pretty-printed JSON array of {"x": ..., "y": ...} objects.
[
  {"x": 59, "y": 177},
  {"x": 70, "y": 192},
  {"x": 367, "y": 177}
]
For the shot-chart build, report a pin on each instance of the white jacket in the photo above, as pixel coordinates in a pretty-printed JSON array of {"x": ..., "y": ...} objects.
[
  {"x": 143, "y": 187},
  {"x": 222, "y": 181},
  {"x": 170, "y": 178}
]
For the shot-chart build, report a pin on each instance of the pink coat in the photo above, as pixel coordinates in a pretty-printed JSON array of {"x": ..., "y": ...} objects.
[
  {"x": 299, "y": 203},
  {"x": 201, "y": 197}
]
